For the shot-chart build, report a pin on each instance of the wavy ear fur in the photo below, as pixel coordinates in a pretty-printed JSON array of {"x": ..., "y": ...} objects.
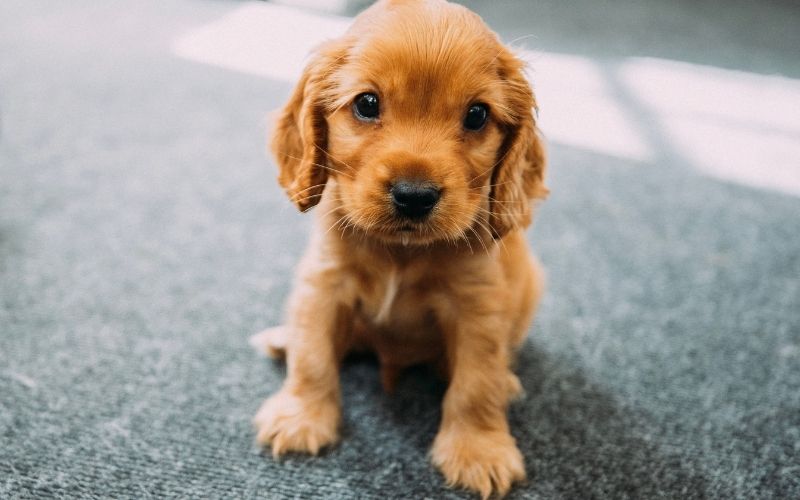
[
  {"x": 518, "y": 177},
  {"x": 300, "y": 138}
]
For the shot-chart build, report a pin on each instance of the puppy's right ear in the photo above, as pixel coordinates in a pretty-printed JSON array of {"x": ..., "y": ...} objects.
[{"x": 300, "y": 138}]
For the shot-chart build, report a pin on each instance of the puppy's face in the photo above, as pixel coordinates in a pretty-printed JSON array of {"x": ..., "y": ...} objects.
[{"x": 425, "y": 121}]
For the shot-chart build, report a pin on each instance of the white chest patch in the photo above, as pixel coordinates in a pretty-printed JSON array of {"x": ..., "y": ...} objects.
[{"x": 389, "y": 294}]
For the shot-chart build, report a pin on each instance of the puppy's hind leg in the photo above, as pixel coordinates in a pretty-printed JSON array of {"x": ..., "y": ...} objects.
[{"x": 271, "y": 341}]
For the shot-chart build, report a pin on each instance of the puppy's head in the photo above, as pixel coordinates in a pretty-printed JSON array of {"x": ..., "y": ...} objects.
[{"x": 425, "y": 121}]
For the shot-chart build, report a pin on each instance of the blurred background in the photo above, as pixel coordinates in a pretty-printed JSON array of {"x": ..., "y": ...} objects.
[{"x": 143, "y": 239}]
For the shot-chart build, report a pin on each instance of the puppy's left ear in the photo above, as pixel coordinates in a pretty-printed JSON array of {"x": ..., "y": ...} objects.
[
  {"x": 519, "y": 176},
  {"x": 300, "y": 138}
]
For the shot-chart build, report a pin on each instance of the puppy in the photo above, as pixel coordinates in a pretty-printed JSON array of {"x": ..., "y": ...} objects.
[{"x": 414, "y": 133}]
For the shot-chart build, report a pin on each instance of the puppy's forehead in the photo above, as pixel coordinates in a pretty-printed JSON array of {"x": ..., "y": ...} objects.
[{"x": 435, "y": 49}]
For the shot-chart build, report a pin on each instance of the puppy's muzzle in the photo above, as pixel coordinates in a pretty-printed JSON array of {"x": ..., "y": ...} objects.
[{"x": 414, "y": 199}]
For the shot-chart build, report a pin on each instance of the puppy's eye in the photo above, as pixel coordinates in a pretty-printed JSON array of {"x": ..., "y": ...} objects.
[
  {"x": 366, "y": 108},
  {"x": 476, "y": 117}
]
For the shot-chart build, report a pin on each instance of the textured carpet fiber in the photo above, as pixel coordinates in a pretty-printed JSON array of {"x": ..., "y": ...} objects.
[{"x": 143, "y": 239}]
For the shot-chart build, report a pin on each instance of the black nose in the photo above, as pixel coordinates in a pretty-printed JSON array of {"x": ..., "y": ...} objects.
[{"x": 414, "y": 199}]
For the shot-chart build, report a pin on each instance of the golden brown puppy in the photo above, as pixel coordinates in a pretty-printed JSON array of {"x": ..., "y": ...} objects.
[{"x": 414, "y": 133}]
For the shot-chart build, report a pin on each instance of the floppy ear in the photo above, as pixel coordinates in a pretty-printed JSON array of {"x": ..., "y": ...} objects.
[
  {"x": 518, "y": 177},
  {"x": 300, "y": 138}
]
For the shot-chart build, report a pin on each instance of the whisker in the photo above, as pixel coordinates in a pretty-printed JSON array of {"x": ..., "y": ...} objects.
[
  {"x": 307, "y": 189},
  {"x": 490, "y": 168},
  {"x": 523, "y": 37},
  {"x": 508, "y": 202},
  {"x": 503, "y": 48},
  {"x": 329, "y": 212},
  {"x": 311, "y": 196},
  {"x": 306, "y": 198},
  {"x": 498, "y": 184},
  {"x": 338, "y": 222},
  {"x": 480, "y": 221},
  {"x": 335, "y": 159},
  {"x": 490, "y": 212},
  {"x": 326, "y": 167},
  {"x": 480, "y": 240}
]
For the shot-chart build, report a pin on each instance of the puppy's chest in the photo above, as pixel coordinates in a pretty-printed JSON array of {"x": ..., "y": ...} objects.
[{"x": 396, "y": 300}]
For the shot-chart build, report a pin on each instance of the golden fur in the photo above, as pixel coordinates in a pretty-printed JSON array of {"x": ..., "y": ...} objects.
[{"x": 457, "y": 289}]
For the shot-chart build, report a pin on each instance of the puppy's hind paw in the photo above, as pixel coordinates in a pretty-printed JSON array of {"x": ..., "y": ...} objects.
[
  {"x": 271, "y": 342},
  {"x": 515, "y": 390}
]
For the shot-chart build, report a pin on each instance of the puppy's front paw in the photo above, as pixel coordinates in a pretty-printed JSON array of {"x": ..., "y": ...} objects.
[
  {"x": 483, "y": 461},
  {"x": 292, "y": 423}
]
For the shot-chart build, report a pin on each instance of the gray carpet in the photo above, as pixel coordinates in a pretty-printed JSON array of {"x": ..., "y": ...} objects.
[{"x": 143, "y": 239}]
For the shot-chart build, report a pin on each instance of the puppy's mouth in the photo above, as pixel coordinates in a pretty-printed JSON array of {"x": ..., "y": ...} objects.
[
  {"x": 405, "y": 233},
  {"x": 411, "y": 233},
  {"x": 408, "y": 233}
]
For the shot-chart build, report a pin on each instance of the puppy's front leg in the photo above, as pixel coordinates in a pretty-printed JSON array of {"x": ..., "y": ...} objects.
[
  {"x": 474, "y": 448},
  {"x": 304, "y": 415}
]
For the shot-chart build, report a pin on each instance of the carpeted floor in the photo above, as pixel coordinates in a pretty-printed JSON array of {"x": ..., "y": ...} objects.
[{"x": 143, "y": 238}]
